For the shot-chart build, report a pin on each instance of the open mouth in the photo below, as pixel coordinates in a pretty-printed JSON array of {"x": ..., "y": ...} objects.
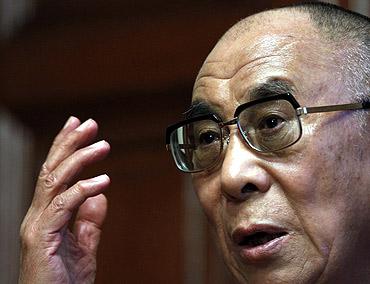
[
  {"x": 260, "y": 242},
  {"x": 259, "y": 238}
]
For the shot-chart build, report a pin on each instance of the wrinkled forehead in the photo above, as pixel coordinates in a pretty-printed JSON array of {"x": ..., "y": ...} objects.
[{"x": 286, "y": 51}]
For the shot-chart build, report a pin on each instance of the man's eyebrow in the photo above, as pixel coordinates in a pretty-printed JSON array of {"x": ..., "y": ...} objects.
[
  {"x": 197, "y": 109},
  {"x": 270, "y": 88}
]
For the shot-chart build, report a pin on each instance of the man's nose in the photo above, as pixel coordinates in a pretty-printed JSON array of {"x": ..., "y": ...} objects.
[{"x": 242, "y": 171}]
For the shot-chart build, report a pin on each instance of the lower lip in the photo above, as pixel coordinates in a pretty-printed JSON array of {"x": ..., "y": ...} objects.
[{"x": 263, "y": 252}]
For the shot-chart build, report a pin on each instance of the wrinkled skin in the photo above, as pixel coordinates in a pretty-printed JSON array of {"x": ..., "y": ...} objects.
[
  {"x": 318, "y": 190},
  {"x": 51, "y": 252}
]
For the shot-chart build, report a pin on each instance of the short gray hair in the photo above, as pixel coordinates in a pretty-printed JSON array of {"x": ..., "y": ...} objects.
[{"x": 349, "y": 31}]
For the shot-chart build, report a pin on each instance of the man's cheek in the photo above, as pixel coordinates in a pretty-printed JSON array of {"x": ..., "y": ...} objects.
[{"x": 209, "y": 198}]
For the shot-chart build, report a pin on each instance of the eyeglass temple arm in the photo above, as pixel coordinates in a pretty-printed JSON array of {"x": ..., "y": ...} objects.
[{"x": 305, "y": 110}]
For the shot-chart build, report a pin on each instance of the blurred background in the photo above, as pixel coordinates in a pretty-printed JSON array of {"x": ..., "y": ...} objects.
[{"x": 130, "y": 65}]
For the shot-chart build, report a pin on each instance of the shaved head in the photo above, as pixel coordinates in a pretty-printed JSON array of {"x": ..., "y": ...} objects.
[{"x": 345, "y": 33}]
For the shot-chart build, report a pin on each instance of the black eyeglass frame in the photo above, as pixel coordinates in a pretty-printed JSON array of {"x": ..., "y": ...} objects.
[{"x": 286, "y": 96}]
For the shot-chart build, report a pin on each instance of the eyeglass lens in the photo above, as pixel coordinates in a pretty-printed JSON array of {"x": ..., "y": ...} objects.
[
  {"x": 266, "y": 127},
  {"x": 270, "y": 126},
  {"x": 197, "y": 145}
]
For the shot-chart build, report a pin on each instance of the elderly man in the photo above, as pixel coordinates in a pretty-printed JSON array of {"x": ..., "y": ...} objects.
[{"x": 277, "y": 142}]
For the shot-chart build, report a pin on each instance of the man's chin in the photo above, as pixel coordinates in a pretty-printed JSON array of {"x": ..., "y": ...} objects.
[{"x": 271, "y": 274}]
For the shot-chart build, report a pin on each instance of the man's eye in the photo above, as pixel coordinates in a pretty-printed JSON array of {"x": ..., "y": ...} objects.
[
  {"x": 208, "y": 137},
  {"x": 271, "y": 122}
]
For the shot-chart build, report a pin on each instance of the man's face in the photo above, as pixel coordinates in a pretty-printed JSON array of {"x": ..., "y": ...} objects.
[{"x": 299, "y": 215}]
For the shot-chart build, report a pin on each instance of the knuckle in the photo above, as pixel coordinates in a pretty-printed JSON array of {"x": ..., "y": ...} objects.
[
  {"x": 64, "y": 146},
  {"x": 79, "y": 188},
  {"x": 69, "y": 143},
  {"x": 83, "y": 156},
  {"x": 50, "y": 180},
  {"x": 58, "y": 203},
  {"x": 44, "y": 171}
]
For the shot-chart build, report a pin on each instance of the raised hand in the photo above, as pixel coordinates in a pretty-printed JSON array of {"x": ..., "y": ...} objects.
[{"x": 53, "y": 250}]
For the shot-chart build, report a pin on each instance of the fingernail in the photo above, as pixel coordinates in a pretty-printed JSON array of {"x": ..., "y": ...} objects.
[
  {"x": 98, "y": 144},
  {"x": 100, "y": 179},
  {"x": 69, "y": 121},
  {"x": 84, "y": 125}
]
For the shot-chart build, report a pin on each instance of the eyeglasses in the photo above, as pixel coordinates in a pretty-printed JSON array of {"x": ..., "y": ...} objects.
[{"x": 267, "y": 125}]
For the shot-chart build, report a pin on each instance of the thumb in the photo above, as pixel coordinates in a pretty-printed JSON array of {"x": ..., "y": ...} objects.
[{"x": 89, "y": 220}]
